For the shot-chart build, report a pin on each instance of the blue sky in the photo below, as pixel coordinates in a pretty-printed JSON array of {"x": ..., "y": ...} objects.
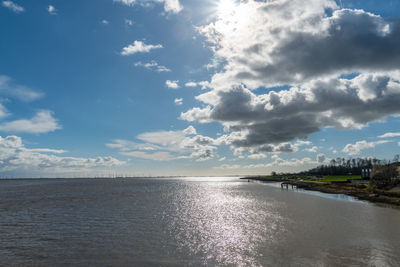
[{"x": 169, "y": 87}]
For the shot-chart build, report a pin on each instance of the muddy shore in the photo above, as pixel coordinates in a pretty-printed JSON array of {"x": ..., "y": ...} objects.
[{"x": 361, "y": 192}]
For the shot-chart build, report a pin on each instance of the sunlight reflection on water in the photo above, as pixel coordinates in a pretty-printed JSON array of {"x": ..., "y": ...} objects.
[
  {"x": 223, "y": 225},
  {"x": 188, "y": 221}
]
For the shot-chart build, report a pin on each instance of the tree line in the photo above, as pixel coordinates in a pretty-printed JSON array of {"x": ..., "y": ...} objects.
[{"x": 351, "y": 166}]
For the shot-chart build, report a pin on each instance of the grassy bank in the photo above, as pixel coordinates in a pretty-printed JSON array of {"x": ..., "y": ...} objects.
[{"x": 336, "y": 185}]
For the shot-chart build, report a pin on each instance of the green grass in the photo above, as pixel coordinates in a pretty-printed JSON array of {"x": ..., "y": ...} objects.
[{"x": 338, "y": 178}]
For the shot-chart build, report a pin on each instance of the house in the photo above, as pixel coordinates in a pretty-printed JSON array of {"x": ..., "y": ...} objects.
[{"x": 366, "y": 173}]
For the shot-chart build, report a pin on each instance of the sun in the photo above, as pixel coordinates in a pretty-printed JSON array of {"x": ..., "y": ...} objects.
[{"x": 226, "y": 8}]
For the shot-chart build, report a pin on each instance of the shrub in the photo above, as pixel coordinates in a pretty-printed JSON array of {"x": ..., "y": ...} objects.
[{"x": 383, "y": 176}]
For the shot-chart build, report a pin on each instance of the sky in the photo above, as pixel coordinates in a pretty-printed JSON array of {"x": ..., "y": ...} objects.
[{"x": 188, "y": 87}]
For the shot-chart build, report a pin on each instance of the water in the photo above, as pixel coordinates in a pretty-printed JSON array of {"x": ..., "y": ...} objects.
[{"x": 190, "y": 222}]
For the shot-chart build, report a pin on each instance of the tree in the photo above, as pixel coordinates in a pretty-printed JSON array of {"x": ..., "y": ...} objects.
[{"x": 382, "y": 176}]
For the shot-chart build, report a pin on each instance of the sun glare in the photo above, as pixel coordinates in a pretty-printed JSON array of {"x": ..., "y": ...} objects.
[{"x": 226, "y": 8}]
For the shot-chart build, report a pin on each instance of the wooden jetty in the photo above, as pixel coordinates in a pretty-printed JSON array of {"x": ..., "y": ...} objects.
[{"x": 287, "y": 184}]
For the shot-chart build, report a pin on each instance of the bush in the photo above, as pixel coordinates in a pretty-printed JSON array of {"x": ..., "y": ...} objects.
[{"x": 383, "y": 177}]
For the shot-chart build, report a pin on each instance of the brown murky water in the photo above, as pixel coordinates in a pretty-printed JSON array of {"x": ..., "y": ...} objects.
[{"x": 189, "y": 221}]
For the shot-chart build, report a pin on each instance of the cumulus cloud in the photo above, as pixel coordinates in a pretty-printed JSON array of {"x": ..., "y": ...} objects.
[
  {"x": 190, "y": 130},
  {"x": 355, "y": 149},
  {"x": 389, "y": 135},
  {"x": 42, "y": 122},
  {"x": 178, "y": 101},
  {"x": 52, "y": 10},
  {"x": 256, "y": 151},
  {"x": 138, "y": 47},
  {"x": 191, "y": 84},
  {"x": 152, "y": 65},
  {"x": 171, "y": 6},
  {"x": 297, "y": 112},
  {"x": 299, "y": 40},
  {"x": 172, "y": 84},
  {"x": 15, "y": 157},
  {"x": 9, "y": 88},
  {"x": 168, "y": 145},
  {"x": 13, "y": 6},
  {"x": 203, "y": 84},
  {"x": 334, "y": 68},
  {"x": 105, "y": 22}
]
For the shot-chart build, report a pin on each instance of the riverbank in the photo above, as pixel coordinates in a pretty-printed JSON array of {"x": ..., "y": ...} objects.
[{"x": 359, "y": 191}]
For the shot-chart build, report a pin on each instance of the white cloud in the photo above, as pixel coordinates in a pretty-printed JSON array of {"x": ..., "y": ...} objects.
[
  {"x": 355, "y": 149},
  {"x": 105, "y": 22},
  {"x": 255, "y": 151},
  {"x": 257, "y": 156},
  {"x": 52, "y": 10},
  {"x": 48, "y": 150},
  {"x": 303, "y": 143},
  {"x": 168, "y": 145},
  {"x": 398, "y": 143},
  {"x": 127, "y": 2},
  {"x": 313, "y": 149},
  {"x": 13, "y": 6},
  {"x": 152, "y": 65},
  {"x": 190, "y": 84},
  {"x": 204, "y": 84},
  {"x": 128, "y": 22},
  {"x": 125, "y": 145},
  {"x": 228, "y": 167},
  {"x": 294, "y": 162},
  {"x": 158, "y": 156},
  {"x": 171, "y": 6},
  {"x": 172, "y": 84},
  {"x": 42, "y": 122},
  {"x": 139, "y": 47},
  {"x": 308, "y": 47},
  {"x": 297, "y": 41},
  {"x": 277, "y": 117},
  {"x": 170, "y": 139},
  {"x": 16, "y": 158},
  {"x": 178, "y": 101},
  {"x": 190, "y": 130},
  {"x": 10, "y": 89},
  {"x": 3, "y": 111},
  {"x": 389, "y": 135},
  {"x": 277, "y": 162}
]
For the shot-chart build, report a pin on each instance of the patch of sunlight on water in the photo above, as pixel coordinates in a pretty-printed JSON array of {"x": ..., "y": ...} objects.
[{"x": 223, "y": 225}]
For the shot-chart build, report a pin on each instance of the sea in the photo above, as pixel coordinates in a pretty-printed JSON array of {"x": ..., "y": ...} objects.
[{"x": 191, "y": 221}]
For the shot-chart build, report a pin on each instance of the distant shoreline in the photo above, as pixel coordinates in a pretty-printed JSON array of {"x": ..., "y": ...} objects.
[{"x": 358, "y": 191}]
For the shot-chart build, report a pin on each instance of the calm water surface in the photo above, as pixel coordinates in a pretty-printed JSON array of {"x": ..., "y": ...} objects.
[{"x": 189, "y": 221}]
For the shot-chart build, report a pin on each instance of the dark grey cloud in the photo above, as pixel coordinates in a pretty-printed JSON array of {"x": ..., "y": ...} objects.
[
  {"x": 278, "y": 117},
  {"x": 292, "y": 41},
  {"x": 306, "y": 46},
  {"x": 354, "y": 41}
]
